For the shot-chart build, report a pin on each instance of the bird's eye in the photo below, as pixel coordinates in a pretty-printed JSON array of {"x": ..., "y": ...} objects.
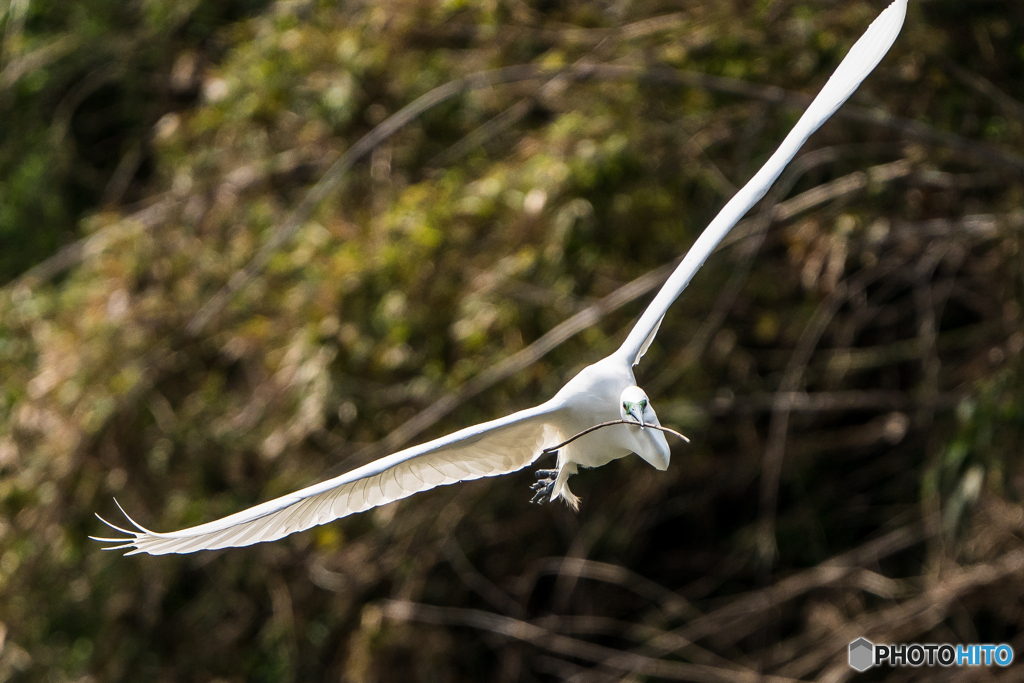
[{"x": 643, "y": 404}]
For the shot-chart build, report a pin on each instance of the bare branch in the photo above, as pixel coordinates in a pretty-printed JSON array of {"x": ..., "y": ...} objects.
[
  {"x": 586, "y": 431},
  {"x": 567, "y": 646}
]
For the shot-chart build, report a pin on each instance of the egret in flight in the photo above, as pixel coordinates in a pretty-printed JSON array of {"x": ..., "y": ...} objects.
[{"x": 603, "y": 392}]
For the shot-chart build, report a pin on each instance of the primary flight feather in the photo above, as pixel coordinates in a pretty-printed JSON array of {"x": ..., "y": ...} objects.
[{"x": 605, "y": 391}]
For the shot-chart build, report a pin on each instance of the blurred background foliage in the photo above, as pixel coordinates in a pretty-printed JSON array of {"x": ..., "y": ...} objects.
[{"x": 848, "y": 367}]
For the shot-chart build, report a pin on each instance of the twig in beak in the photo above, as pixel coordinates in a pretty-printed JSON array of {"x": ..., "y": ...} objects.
[{"x": 552, "y": 449}]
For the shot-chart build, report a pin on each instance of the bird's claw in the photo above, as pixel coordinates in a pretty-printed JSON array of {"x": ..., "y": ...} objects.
[
  {"x": 544, "y": 486},
  {"x": 543, "y": 492}
]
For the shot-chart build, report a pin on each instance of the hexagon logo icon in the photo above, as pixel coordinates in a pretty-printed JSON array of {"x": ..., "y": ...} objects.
[{"x": 862, "y": 654}]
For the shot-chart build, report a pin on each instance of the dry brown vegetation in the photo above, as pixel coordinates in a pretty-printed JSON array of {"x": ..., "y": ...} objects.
[{"x": 274, "y": 275}]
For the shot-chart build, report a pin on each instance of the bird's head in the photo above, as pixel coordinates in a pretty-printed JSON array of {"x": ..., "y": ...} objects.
[{"x": 635, "y": 406}]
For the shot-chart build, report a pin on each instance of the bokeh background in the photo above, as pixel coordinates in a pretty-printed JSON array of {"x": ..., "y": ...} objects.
[{"x": 848, "y": 366}]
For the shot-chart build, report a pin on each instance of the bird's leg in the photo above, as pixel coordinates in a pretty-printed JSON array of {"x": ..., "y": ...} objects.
[{"x": 544, "y": 485}]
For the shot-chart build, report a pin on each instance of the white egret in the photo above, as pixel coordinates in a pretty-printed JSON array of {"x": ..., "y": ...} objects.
[{"x": 604, "y": 391}]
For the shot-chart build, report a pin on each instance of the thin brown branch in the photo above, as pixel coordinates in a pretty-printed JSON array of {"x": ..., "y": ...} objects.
[
  {"x": 552, "y": 449},
  {"x": 792, "y": 379},
  {"x": 568, "y": 646},
  {"x": 478, "y": 136},
  {"x": 829, "y": 401},
  {"x": 73, "y": 253},
  {"x": 477, "y": 582},
  {"x": 771, "y": 468},
  {"x": 569, "y": 35},
  {"x": 78, "y": 93},
  {"x": 740, "y": 617},
  {"x": 670, "y": 602},
  {"x": 37, "y": 59},
  {"x": 635, "y": 631},
  {"x": 1009, "y": 105}
]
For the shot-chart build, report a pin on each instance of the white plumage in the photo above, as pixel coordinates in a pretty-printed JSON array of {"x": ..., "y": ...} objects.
[
  {"x": 489, "y": 449},
  {"x": 602, "y": 392}
]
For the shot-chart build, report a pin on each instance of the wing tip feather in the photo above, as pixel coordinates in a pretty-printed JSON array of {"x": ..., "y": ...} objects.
[
  {"x": 132, "y": 521},
  {"x": 133, "y": 539}
]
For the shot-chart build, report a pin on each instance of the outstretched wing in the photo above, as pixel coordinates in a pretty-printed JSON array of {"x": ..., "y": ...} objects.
[
  {"x": 647, "y": 342},
  {"x": 484, "y": 450},
  {"x": 861, "y": 60}
]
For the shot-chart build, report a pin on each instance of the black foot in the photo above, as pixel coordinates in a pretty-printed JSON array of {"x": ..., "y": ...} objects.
[{"x": 544, "y": 486}]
